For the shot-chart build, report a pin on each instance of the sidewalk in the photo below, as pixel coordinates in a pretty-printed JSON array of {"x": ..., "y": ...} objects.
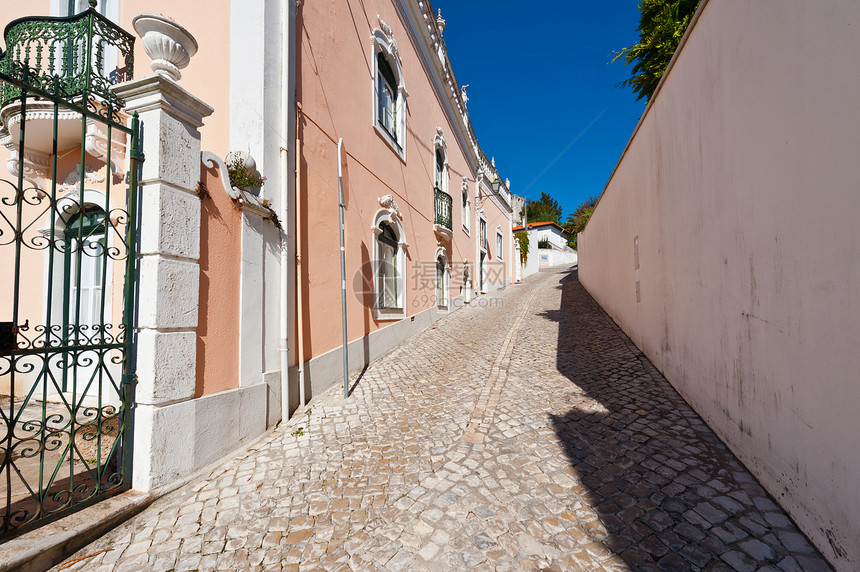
[{"x": 524, "y": 432}]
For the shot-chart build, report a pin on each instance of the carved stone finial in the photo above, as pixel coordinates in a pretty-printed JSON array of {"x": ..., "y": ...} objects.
[
  {"x": 168, "y": 44},
  {"x": 440, "y": 22},
  {"x": 463, "y": 93}
]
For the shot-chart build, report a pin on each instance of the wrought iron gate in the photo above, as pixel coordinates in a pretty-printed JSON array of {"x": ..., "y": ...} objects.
[{"x": 67, "y": 267}]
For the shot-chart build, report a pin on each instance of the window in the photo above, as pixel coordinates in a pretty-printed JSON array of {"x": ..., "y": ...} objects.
[
  {"x": 439, "y": 179},
  {"x": 466, "y": 206},
  {"x": 389, "y": 263},
  {"x": 389, "y": 93},
  {"x": 441, "y": 282},
  {"x": 387, "y": 96},
  {"x": 499, "y": 243},
  {"x": 389, "y": 296},
  {"x": 107, "y": 8},
  {"x": 483, "y": 234},
  {"x": 79, "y": 284}
]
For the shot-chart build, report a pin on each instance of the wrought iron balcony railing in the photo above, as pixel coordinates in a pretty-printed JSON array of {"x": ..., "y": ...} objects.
[
  {"x": 444, "y": 204},
  {"x": 75, "y": 58}
]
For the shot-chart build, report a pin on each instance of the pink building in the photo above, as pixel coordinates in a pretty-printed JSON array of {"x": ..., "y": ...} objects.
[{"x": 129, "y": 253}]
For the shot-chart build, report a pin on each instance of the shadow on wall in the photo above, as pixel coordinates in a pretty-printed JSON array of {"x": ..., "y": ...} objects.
[{"x": 665, "y": 489}]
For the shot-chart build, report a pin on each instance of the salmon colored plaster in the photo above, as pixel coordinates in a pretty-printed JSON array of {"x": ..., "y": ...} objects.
[
  {"x": 335, "y": 88},
  {"x": 208, "y": 74},
  {"x": 14, "y": 10},
  {"x": 220, "y": 265}
]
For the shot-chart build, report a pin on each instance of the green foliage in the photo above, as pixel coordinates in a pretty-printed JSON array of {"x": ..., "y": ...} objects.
[
  {"x": 662, "y": 24},
  {"x": 545, "y": 209},
  {"x": 523, "y": 240},
  {"x": 577, "y": 220},
  {"x": 543, "y": 244},
  {"x": 243, "y": 177}
]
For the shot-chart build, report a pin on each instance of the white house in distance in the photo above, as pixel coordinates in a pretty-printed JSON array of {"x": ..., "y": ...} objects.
[
  {"x": 548, "y": 231},
  {"x": 557, "y": 254}
]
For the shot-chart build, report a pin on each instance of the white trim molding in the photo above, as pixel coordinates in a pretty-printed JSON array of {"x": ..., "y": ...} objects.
[{"x": 385, "y": 45}]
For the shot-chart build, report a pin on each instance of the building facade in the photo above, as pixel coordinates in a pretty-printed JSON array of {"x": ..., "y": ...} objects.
[{"x": 187, "y": 199}]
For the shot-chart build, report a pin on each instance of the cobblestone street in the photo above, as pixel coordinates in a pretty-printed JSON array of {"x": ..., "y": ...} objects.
[{"x": 525, "y": 432}]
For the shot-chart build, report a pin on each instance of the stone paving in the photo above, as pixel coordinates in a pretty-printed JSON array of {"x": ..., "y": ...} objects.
[{"x": 525, "y": 432}]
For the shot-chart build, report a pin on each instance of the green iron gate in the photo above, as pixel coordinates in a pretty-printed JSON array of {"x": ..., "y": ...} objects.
[{"x": 68, "y": 226}]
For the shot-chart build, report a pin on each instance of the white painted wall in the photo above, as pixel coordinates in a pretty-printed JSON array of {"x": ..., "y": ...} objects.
[
  {"x": 549, "y": 257},
  {"x": 549, "y": 233},
  {"x": 741, "y": 187},
  {"x": 257, "y": 106}
]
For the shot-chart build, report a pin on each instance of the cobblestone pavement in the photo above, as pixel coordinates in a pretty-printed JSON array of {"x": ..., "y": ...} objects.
[{"x": 525, "y": 432}]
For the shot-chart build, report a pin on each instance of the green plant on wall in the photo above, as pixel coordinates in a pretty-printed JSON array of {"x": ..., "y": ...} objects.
[
  {"x": 523, "y": 240},
  {"x": 242, "y": 176}
]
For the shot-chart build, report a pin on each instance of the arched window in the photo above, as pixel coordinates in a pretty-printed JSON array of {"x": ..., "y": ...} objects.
[
  {"x": 440, "y": 169},
  {"x": 79, "y": 297},
  {"x": 389, "y": 92},
  {"x": 389, "y": 264},
  {"x": 465, "y": 213},
  {"x": 386, "y": 87},
  {"x": 84, "y": 264},
  {"x": 389, "y": 291},
  {"x": 441, "y": 282}
]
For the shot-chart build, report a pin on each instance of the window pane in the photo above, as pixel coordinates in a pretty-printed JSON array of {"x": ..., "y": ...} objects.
[{"x": 387, "y": 277}]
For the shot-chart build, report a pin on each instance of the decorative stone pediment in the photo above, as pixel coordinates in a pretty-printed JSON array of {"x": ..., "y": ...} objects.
[
  {"x": 389, "y": 33},
  {"x": 388, "y": 202}
]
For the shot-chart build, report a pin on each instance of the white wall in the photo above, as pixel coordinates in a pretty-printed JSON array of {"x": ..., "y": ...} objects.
[
  {"x": 546, "y": 257},
  {"x": 551, "y": 257},
  {"x": 549, "y": 233},
  {"x": 741, "y": 184}
]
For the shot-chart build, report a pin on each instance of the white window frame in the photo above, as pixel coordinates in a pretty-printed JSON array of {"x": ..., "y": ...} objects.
[
  {"x": 445, "y": 301},
  {"x": 381, "y": 314},
  {"x": 482, "y": 226},
  {"x": 107, "y": 8},
  {"x": 67, "y": 206},
  {"x": 466, "y": 207},
  {"x": 500, "y": 242},
  {"x": 439, "y": 146},
  {"x": 384, "y": 44}
]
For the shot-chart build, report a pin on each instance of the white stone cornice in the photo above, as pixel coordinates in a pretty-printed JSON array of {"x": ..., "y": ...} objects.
[{"x": 158, "y": 92}]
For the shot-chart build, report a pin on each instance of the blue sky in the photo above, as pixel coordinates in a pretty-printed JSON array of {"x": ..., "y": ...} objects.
[{"x": 541, "y": 85}]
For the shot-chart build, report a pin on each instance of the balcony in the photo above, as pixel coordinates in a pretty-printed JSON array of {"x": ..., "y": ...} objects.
[
  {"x": 61, "y": 67},
  {"x": 443, "y": 212}
]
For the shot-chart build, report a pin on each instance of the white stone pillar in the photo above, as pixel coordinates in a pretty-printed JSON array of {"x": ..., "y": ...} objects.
[{"x": 169, "y": 281}]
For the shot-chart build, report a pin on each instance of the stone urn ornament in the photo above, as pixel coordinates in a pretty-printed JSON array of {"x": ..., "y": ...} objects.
[{"x": 169, "y": 45}]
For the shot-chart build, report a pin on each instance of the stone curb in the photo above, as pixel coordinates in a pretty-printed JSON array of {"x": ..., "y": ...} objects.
[
  {"x": 49, "y": 545},
  {"x": 46, "y": 546}
]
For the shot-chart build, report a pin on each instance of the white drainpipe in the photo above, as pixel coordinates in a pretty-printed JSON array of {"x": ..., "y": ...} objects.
[{"x": 287, "y": 91}]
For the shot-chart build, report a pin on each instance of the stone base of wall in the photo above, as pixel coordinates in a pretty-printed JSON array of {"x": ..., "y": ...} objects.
[{"x": 177, "y": 439}]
